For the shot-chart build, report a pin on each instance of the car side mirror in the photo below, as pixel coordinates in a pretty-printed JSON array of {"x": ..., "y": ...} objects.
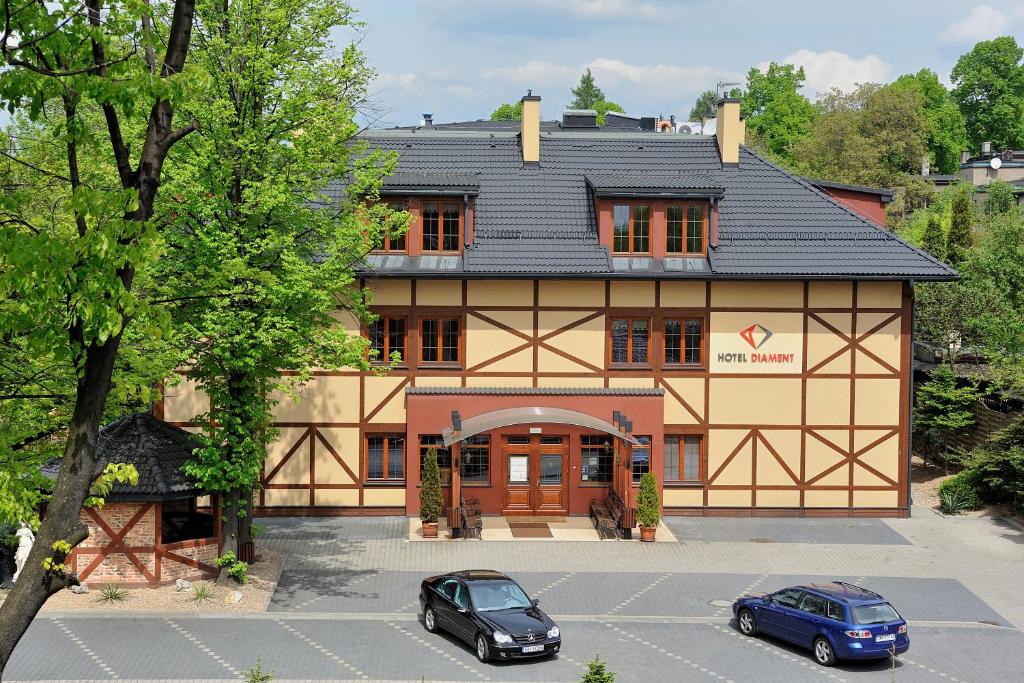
[
  {"x": 767, "y": 598},
  {"x": 534, "y": 602}
]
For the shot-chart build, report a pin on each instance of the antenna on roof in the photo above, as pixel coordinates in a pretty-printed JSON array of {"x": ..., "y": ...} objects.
[{"x": 721, "y": 85}]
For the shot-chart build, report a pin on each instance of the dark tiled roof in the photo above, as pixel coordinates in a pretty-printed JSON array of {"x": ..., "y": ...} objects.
[
  {"x": 419, "y": 181},
  {"x": 537, "y": 391},
  {"x": 539, "y": 219},
  {"x": 158, "y": 451},
  {"x": 639, "y": 183}
]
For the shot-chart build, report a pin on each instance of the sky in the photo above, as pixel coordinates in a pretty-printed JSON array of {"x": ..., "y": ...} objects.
[{"x": 460, "y": 59}]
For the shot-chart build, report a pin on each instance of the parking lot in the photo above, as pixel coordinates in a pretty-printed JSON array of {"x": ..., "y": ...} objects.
[{"x": 345, "y": 608}]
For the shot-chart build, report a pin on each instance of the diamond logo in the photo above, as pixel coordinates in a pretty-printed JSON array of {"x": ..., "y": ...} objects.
[{"x": 756, "y": 335}]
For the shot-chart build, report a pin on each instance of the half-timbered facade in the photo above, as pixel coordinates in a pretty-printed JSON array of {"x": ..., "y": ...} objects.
[{"x": 574, "y": 307}]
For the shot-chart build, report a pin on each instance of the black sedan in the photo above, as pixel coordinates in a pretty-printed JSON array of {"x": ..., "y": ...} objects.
[{"x": 489, "y": 611}]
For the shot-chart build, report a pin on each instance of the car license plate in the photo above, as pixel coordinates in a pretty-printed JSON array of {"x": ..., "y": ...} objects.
[
  {"x": 532, "y": 648},
  {"x": 888, "y": 637}
]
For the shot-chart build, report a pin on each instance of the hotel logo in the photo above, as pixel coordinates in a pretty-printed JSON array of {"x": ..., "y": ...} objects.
[{"x": 756, "y": 335}]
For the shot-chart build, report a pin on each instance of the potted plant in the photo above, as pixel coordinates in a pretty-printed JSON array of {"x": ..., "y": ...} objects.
[
  {"x": 648, "y": 507},
  {"x": 431, "y": 502}
]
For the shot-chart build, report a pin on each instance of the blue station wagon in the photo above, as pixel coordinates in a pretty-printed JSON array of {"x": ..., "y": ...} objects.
[{"x": 834, "y": 620}]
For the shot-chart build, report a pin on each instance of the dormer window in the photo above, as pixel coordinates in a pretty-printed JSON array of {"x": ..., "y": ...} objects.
[
  {"x": 685, "y": 229},
  {"x": 631, "y": 228},
  {"x": 442, "y": 226},
  {"x": 393, "y": 243}
]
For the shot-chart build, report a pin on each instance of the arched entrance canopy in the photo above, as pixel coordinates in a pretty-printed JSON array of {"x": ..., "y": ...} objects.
[{"x": 530, "y": 415}]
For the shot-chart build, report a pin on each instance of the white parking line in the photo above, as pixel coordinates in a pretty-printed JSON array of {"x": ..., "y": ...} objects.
[
  {"x": 671, "y": 655},
  {"x": 321, "y": 649},
  {"x": 80, "y": 644},
  {"x": 639, "y": 593},
  {"x": 209, "y": 653},
  {"x": 437, "y": 650}
]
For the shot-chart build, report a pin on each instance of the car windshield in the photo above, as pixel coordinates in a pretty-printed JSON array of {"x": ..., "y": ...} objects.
[
  {"x": 492, "y": 596},
  {"x": 875, "y": 614}
]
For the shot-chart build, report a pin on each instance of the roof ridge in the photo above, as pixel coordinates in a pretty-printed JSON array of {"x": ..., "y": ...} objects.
[
  {"x": 889, "y": 235},
  {"x": 142, "y": 419}
]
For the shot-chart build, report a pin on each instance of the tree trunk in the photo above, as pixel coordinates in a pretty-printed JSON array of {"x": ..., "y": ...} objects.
[{"x": 62, "y": 521}]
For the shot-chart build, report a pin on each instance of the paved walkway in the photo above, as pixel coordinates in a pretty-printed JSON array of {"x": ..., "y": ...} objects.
[{"x": 346, "y": 606}]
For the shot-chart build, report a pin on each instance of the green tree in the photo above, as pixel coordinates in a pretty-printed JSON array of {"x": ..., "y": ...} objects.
[
  {"x": 259, "y": 262},
  {"x": 934, "y": 239},
  {"x": 508, "y": 112},
  {"x": 431, "y": 500},
  {"x": 648, "y": 507},
  {"x": 947, "y": 130},
  {"x": 943, "y": 407},
  {"x": 597, "y": 672},
  {"x": 602, "y": 107},
  {"x": 586, "y": 94},
  {"x": 777, "y": 115},
  {"x": 961, "y": 227},
  {"x": 988, "y": 86},
  {"x": 71, "y": 281},
  {"x": 704, "y": 106},
  {"x": 1000, "y": 198}
]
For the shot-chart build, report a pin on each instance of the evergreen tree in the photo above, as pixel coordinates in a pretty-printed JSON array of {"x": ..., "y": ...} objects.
[
  {"x": 597, "y": 672},
  {"x": 934, "y": 240},
  {"x": 960, "y": 237},
  {"x": 586, "y": 95},
  {"x": 431, "y": 498},
  {"x": 942, "y": 408},
  {"x": 999, "y": 198},
  {"x": 704, "y": 106}
]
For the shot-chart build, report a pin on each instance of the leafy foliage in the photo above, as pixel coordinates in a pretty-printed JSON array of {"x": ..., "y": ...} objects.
[
  {"x": 431, "y": 501},
  {"x": 1000, "y": 198},
  {"x": 943, "y": 407},
  {"x": 934, "y": 239},
  {"x": 777, "y": 115},
  {"x": 961, "y": 227},
  {"x": 704, "y": 106},
  {"x": 113, "y": 473},
  {"x": 225, "y": 560},
  {"x": 508, "y": 112},
  {"x": 946, "y": 130},
  {"x": 586, "y": 94},
  {"x": 996, "y": 467},
  {"x": 988, "y": 85},
  {"x": 597, "y": 672},
  {"x": 648, "y": 507},
  {"x": 239, "y": 571},
  {"x": 602, "y": 107},
  {"x": 959, "y": 493}
]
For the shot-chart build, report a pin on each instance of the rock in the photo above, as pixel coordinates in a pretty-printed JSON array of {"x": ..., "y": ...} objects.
[
  {"x": 233, "y": 598},
  {"x": 80, "y": 589},
  {"x": 182, "y": 585}
]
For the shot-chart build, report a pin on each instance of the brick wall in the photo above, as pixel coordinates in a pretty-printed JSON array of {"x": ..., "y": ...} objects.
[{"x": 203, "y": 550}]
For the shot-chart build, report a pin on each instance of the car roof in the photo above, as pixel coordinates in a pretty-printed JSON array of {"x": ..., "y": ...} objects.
[
  {"x": 480, "y": 575},
  {"x": 845, "y": 592}
]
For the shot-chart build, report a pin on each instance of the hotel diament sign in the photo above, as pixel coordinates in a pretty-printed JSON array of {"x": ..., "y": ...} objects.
[{"x": 756, "y": 342}]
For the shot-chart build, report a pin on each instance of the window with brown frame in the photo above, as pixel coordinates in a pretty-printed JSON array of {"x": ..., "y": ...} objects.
[
  {"x": 475, "y": 460},
  {"x": 640, "y": 458},
  {"x": 387, "y": 337},
  {"x": 440, "y": 340},
  {"x": 444, "y": 456},
  {"x": 442, "y": 226},
  {"x": 682, "y": 458},
  {"x": 683, "y": 341},
  {"x": 684, "y": 230},
  {"x": 631, "y": 229},
  {"x": 385, "y": 457},
  {"x": 630, "y": 339},
  {"x": 596, "y": 456}
]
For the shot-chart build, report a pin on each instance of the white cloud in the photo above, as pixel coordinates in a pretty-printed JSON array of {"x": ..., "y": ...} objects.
[
  {"x": 535, "y": 74},
  {"x": 832, "y": 69},
  {"x": 982, "y": 23},
  {"x": 406, "y": 81},
  {"x": 609, "y": 9}
]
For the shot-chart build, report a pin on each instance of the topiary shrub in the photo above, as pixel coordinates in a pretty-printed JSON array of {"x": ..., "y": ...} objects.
[
  {"x": 959, "y": 493},
  {"x": 648, "y": 507},
  {"x": 431, "y": 501}
]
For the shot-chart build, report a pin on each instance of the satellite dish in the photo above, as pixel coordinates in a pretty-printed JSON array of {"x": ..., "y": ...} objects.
[{"x": 995, "y": 163}]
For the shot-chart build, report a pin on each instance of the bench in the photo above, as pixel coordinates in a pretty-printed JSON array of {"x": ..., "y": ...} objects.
[
  {"x": 472, "y": 524},
  {"x": 608, "y": 513}
]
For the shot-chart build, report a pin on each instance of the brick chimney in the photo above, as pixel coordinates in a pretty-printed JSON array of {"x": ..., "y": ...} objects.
[
  {"x": 529, "y": 131},
  {"x": 730, "y": 131}
]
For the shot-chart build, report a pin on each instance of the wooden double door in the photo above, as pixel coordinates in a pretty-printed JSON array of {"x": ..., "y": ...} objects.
[{"x": 536, "y": 474}]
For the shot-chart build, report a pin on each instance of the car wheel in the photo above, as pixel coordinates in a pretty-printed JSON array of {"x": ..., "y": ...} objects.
[
  {"x": 823, "y": 652},
  {"x": 482, "y": 650},
  {"x": 745, "y": 620},
  {"x": 430, "y": 619}
]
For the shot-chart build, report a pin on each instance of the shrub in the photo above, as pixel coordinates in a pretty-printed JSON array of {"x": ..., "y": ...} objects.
[
  {"x": 239, "y": 571},
  {"x": 112, "y": 593},
  {"x": 997, "y": 465},
  {"x": 431, "y": 502},
  {"x": 257, "y": 675},
  {"x": 648, "y": 509},
  {"x": 225, "y": 560},
  {"x": 201, "y": 592},
  {"x": 959, "y": 493},
  {"x": 597, "y": 672}
]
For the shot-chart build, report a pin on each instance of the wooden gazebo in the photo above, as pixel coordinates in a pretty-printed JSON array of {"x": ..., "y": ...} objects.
[{"x": 151, "y": 533}]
